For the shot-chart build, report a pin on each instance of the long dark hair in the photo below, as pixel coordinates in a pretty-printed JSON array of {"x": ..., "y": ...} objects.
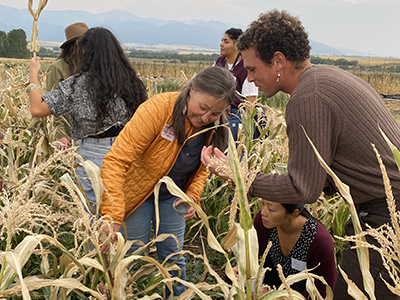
[
  {"x": 109, "y": 71},
  {"x": 215, "y": 81},
  {"x": 70, "y": 54}
]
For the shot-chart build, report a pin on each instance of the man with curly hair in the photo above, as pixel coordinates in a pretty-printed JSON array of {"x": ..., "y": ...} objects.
[{"x": 341, "y": 114}]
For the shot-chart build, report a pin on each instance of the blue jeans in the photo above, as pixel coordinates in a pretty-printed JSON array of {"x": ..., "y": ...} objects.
[
  {"x": 234, "y": 121},
  {"x": 92, "y": 149},
  {"x": 138, "y": 226}
]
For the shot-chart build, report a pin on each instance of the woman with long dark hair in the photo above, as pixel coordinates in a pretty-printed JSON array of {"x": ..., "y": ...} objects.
[
  {"x": 100, "y": 98},
  {"x": 61, "y": 69}
]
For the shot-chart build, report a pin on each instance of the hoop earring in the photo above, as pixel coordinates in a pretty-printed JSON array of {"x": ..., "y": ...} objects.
[{"x": 278, "y": 77}]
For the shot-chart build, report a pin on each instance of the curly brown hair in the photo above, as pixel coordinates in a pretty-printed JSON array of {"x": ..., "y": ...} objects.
[{"x": 277, "y": 31}]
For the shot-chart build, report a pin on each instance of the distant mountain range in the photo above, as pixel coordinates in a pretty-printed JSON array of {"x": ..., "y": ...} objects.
[{"x": 138, "y": 32}]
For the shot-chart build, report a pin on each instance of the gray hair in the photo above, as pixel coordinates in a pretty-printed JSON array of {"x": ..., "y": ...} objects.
[{"x": 214, "y": 81}]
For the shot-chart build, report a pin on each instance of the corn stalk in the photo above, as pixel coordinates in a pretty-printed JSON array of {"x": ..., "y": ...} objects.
[{"x": 34, "y": 43}]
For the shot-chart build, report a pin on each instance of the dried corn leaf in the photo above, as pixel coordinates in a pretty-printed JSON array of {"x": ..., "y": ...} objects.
[
  {"x": 282, "y": 295},
  {"x": 188, "y": 294},
  {"x": 176, "y": 191},
  {"x": 119, "y": 289},
  {"x": 221, "y": 282},
  {"x": 352, "y": 289},
  {"x": 68, "y": 180},
  {"x": 362, "y": 252},
  {"x": 93, "y": 172},
  {"x": 24, "y": 251},
  {"x": 35, "y": 283},
  {"x": 14, "y": 260}
]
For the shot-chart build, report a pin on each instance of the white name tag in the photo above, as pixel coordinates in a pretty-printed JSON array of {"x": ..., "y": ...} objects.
[
  {"x": 298, "y": 264},
  {"x": 168, "y": 133}
]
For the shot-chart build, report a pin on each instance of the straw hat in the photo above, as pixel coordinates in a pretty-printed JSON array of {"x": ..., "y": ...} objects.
[{"x": 74, "y": 31}]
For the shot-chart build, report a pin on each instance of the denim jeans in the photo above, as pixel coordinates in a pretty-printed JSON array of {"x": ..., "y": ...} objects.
[
  {"x": 138, "y": 226},
  {"x": 234, "y": 121},
  {"x": 92, "y": 149}
]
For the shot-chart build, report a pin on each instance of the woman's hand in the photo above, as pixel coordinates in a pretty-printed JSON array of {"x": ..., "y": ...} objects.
[
  {"x": 34, "y": 69},
  {"x": 105, "y": 227},
  {"x": 39, "y": 108},
  {"x": 236, "y": 270},
  {"x": 65, "y": 143},
  {"x": 216, "y": 161},
  {"x": 191, "y": 212}
]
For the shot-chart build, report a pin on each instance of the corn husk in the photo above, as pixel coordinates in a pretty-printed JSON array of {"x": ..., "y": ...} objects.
[{"x": 241, "y": 249}]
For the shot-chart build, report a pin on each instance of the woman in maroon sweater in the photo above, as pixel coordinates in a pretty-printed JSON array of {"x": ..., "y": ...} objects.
[{"x": 299, "y": 242}]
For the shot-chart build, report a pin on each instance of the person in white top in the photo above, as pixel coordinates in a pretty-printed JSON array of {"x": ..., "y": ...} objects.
[{"x": 231, "y": 59}]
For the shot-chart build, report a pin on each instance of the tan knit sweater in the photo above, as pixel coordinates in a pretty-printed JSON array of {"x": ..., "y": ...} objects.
[{"x": 341, "y": 114}]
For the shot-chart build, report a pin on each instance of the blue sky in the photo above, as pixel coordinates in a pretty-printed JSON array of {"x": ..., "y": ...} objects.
[{"x": 370, "y": 26}]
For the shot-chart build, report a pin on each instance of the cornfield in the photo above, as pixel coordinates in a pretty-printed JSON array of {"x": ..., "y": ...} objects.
[{"x": 50, "y": 244}]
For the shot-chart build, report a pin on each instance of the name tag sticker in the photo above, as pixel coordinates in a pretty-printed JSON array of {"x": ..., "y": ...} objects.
[
  {"x": 298, "y": 264},
  {"x": 168, "y": 133}
]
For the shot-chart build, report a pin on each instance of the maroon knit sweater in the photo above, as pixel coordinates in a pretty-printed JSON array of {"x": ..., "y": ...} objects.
[{"x": 341, "y": 114}]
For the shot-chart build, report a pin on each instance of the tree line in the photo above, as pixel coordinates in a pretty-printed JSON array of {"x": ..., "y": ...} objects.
[
  {"x": 172, "y": 56},
  {"x": 14, "y": 44}
]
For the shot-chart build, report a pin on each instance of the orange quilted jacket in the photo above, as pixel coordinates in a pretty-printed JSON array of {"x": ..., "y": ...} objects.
[{"x": 140, "y": 156}]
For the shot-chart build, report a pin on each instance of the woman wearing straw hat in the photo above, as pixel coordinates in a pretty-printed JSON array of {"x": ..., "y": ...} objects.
[
  {"x": 101, "y": 97},
  {"x": 60, "y": 70}
]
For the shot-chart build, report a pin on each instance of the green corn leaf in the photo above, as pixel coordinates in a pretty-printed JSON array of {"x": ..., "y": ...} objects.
[
  {"x": 396, "y": 152},
  {"x": 246, "y": 220}
]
